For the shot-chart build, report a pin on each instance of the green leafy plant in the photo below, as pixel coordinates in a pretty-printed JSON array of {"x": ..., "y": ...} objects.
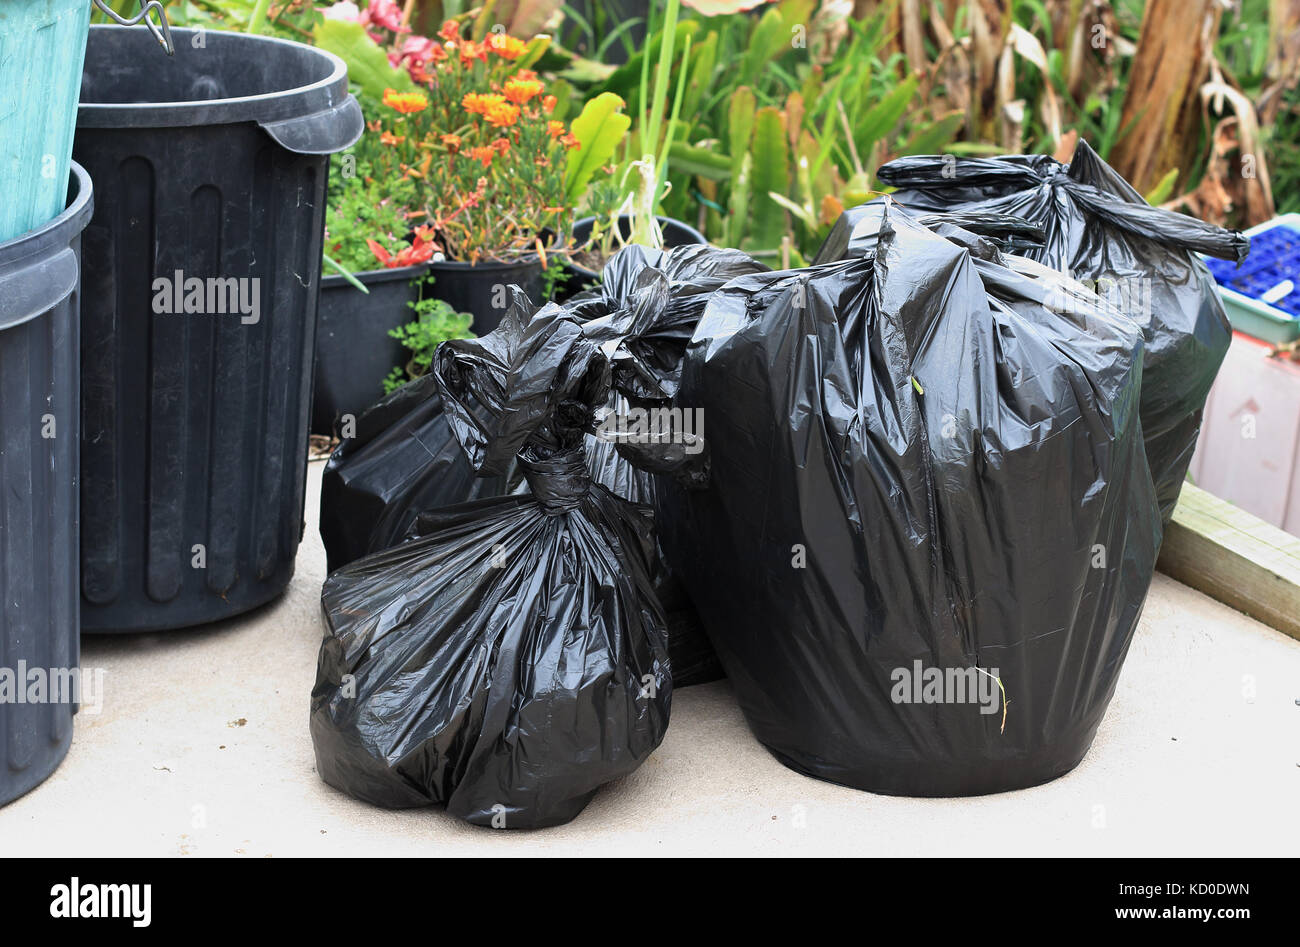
[
  {"x": 595, "y": 35},
  {"x": 599, "y": 130},
  {"x": 763, "y": 126},
  {"x": 368, "y": 64},
  {"x": 436, "y": 322},
  {"x": 293, "y": 19},
  {"x": 363, "y": 208}
]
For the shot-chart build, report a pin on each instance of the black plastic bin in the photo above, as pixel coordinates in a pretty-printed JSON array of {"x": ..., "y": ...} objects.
[
  {"x": 354, "y": 352},
  {"x": 39, "y": 381},
  {"x": 480, "y": 288},
  {"x": 211, "y": 170}
]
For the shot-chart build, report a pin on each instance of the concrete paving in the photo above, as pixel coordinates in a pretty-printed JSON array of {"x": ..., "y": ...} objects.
[{"x": 202, "y": 749}]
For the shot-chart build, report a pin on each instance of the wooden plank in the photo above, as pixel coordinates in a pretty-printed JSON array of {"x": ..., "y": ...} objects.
[{"x": 1234, "y": 557}]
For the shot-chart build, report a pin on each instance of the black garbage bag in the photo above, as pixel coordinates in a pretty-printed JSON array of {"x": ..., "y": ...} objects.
[
  {"x": 929, "y": 526},
  {"x": 511, "y": 658},
  {"x": 1101, "y": 231},
  {"x": 404, "y": 458},
  {"x": 691, "y": 657},
  {"x": 643, "y": 315}
]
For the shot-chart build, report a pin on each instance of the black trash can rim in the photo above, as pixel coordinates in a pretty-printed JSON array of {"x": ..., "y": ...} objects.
[
  {"x": 38, "y": 269},
  {"x": 59, "y": 231},
  {"x": 288, "y": 115}
]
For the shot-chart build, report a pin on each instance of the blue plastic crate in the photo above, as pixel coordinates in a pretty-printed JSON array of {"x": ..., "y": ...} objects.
[{"x": 1274, "y": 260}]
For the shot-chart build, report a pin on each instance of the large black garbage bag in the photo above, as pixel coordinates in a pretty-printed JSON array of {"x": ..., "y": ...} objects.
[
  {"x": 404, "y": 459},
  {"x": 1104, "y": 234},
  {"x": 925, "y": 461},
  {"x": 510, "y": 659}
]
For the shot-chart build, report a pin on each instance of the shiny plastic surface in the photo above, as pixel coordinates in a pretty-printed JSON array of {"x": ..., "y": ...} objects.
[
  {"x": 511, "y": 658},
  {"x": 925, "y": 459},
  {"x": 404, "y": 458},
  {"x": 1101, "y": 232}
]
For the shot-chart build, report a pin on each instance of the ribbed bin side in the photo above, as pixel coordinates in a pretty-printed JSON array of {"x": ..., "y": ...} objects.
[
  {"x": 42, "y": 45},
  {"x": 38, "y": 544},
  {"x": 194, "y": 424}
]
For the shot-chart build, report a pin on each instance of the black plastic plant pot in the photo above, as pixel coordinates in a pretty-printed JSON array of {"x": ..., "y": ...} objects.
[
  {"x": 354, "y": 352},
  {"x": 577, "y": 278},
  {"x": 480, "y": 288},
  {"x": 39, "y": 384},
  {"x": 201, "y": 270}
]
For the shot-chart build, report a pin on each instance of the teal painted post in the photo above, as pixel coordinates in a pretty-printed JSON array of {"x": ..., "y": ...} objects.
[{"x": 42, "y": 47}]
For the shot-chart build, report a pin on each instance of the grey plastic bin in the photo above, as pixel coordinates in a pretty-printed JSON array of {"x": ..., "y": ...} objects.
[{"x": 39, "y": 366}]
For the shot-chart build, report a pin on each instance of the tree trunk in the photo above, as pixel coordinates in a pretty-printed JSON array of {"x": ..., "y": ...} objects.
[
  {"x": 1162, "y": 109},
  {"x": 1283, "y": 59}
]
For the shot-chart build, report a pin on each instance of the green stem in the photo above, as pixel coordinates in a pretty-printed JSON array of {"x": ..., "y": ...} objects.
[
  {"x": 662, "y": 70},
  {"x": 661, "y": 166},
  {"x": 257, "y": 19},
  {"x": 346, "y": 275}
]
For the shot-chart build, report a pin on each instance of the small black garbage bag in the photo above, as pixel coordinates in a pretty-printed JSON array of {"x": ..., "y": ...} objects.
[
  {"x": 929, "y": 526},
  {"x": 404, "y": 458},
  {"x": 1143, "y": 259},
  {"x": 643, "y": 315},
  {"x": 511, "y": 658}
]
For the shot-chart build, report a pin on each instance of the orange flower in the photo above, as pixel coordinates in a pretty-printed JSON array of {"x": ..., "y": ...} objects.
[
  {"x": 484, "y": 153},
  {"x": 405, "y": 102},
  {"x": 388, "y": 138},
  {"x": 501, "y": 146},
  {"x": 507, "y": 47},
  {"x": 520, "y": 91},
  {"x": 469, "y": 51},
  {"x": 549, "y": 103},
  {"x": 568, "y": 141},
  {"x": 525, "y": 74},
  {"x": 480, "y": 102},
  {"x": 420, "y": 250},
  {"x": 437, "y": 52},
  {"x": 450, "y": 31},
  {"x": 555, "y": 128},
  {"x": 501, "y": 114},
  {"x": 452, "y": 143}
]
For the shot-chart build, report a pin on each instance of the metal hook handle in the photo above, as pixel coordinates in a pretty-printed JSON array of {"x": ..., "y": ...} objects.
[{"x": 161, "y": 31}]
